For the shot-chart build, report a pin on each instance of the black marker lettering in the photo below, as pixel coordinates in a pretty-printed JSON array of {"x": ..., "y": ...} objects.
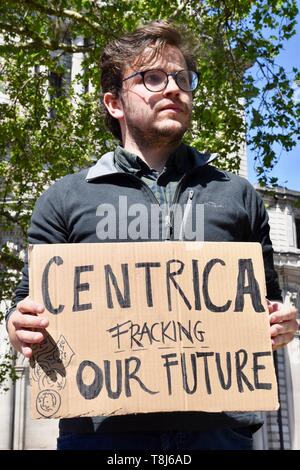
[
  {"x": 167, "y": 364},
  {"x": 80, "y": 287},
  {"x": 224, "y": 384},
  {"x": 196, "y": 284},
  {"x": 245, "y": 265},
  {"x": 45, "y": 286},
  {"x": 240, "y": 364},
  {"x": 148, "y": 283},
  {"x": 257, "y": 367},
  {"x": 187, "y": 333},
  {"x": 107, "y": 373},
  {"x": 132, "y": 376},
  {"x": 92, "y": 390},
  {"x": 206, "y": 370},
  {"x": 170, "y": 278},
  {"x": 212, "y": 307},
  {"x": 124, "y": 300},
  {"x": 184, "y": 374}
]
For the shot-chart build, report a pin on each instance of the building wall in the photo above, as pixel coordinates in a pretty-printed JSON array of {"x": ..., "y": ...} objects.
[{"x": 282, "y": 429}]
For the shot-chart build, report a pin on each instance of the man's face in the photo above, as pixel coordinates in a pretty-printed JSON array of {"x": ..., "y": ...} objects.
[{"x": 152, "y": 117}]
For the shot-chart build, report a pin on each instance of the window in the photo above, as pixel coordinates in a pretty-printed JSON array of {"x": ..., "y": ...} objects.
[
  {"x": 297, "y": 223},
  {"x": 60, "y": 81}
]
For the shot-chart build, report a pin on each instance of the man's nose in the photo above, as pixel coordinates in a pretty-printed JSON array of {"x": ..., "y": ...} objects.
[{"x": 172, "y": 86}]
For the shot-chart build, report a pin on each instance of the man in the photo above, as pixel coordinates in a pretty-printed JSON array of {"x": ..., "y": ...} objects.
[{"x": 148, "y": 78}]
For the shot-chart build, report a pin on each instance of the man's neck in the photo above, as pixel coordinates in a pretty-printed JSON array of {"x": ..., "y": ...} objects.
[{"x": 155, "y": 156}]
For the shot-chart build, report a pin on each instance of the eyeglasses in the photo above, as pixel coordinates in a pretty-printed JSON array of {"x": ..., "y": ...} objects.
[{"x": 157, "y": 80}]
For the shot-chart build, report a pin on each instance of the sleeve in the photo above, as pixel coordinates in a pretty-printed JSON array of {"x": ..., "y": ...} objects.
[
  {"x": 48, "y": 225},
  {"x": 260, "y": 232}
]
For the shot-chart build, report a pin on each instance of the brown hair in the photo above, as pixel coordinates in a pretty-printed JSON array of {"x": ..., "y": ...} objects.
[{"x": 128, "y": 50}]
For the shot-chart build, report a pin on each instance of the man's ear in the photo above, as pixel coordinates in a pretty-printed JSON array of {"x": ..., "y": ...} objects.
[{"x": 113, "y": 105}]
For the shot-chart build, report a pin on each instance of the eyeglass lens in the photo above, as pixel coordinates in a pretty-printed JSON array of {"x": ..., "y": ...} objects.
[{"x": 157, "y": 80}]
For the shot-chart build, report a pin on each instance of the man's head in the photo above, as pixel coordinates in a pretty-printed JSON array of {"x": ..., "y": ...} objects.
[{"x": 142, "y": 104}]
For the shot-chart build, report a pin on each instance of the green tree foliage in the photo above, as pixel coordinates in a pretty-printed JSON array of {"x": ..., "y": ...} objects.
[{"x": 51, "y": 123}]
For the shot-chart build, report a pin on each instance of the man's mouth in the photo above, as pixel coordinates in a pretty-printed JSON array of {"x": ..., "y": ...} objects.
[{"x": 172, "y": 107}]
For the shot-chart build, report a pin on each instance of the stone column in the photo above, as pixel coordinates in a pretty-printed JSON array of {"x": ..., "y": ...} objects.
[
  {"x": 6, "y": 398},
  {"x": 293, "y": 353},
  {"x": 20, "y": 404}
]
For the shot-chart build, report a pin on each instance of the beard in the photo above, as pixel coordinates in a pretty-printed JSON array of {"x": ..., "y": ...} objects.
[
  {"x": 162, "y": 133},
  {"x": 152, "y": 137}
]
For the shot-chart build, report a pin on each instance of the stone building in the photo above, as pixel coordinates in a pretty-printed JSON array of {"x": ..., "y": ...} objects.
[{"x": 282, "y": 429}]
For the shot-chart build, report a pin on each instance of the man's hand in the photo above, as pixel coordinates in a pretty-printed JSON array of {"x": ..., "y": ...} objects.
[
  {"x": 283, "y": 323},
  {"x": 26, "y": 326}
]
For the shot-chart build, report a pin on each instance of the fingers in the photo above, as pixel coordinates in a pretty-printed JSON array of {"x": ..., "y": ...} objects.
[
  {"x": 283, "y": 323},
  {"x": 28, "y": 305},
  {"x": 26, "y": 351},
  {"x": 26, "y": 326},
  {"x": 281, "y": 313},
  {"x": 29, "y": 314},
  {"x": 29, "y": 337},
  {"x": 285, "y": 327},
  {"x": 283, "y": 333},
  {"x": 282, "y": 340},
  {"x": 23, "y": 320},
  {"x": 24, "y": 338},
  {"x": 285, "y": 314}
]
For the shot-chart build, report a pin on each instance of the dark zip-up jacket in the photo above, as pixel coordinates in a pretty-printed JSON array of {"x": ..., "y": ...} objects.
[{"x": 70, "y": 211}]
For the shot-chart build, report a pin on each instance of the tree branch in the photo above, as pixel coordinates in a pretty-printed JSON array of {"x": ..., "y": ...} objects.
[
  {"x": 60, "y": 13},
  {"x": 20, "y": 30},
  {"x": 44, "y": 44},
  {"x": 178, "y": 10}
]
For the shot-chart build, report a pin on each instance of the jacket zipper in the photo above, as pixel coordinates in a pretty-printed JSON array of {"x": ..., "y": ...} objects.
[
  {"x": 168, "y": 218},
  {"x": 170, "y": 232},
  {"x": 186, "y": 213}
]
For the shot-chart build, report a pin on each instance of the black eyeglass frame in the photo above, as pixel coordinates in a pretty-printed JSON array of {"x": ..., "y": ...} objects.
[{"x": 172, "y": 74}]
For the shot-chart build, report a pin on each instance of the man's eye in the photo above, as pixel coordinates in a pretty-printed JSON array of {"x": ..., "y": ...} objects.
[
  {"x": 154, "y": 78},
  {"x": 184, "y": 80}
]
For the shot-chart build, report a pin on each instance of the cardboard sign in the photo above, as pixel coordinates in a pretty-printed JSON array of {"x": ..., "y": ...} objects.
[{"x": 144, "y": 327}]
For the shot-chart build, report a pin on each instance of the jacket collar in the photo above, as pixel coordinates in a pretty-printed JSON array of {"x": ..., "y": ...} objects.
[{"x": 105, "y": 165}]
